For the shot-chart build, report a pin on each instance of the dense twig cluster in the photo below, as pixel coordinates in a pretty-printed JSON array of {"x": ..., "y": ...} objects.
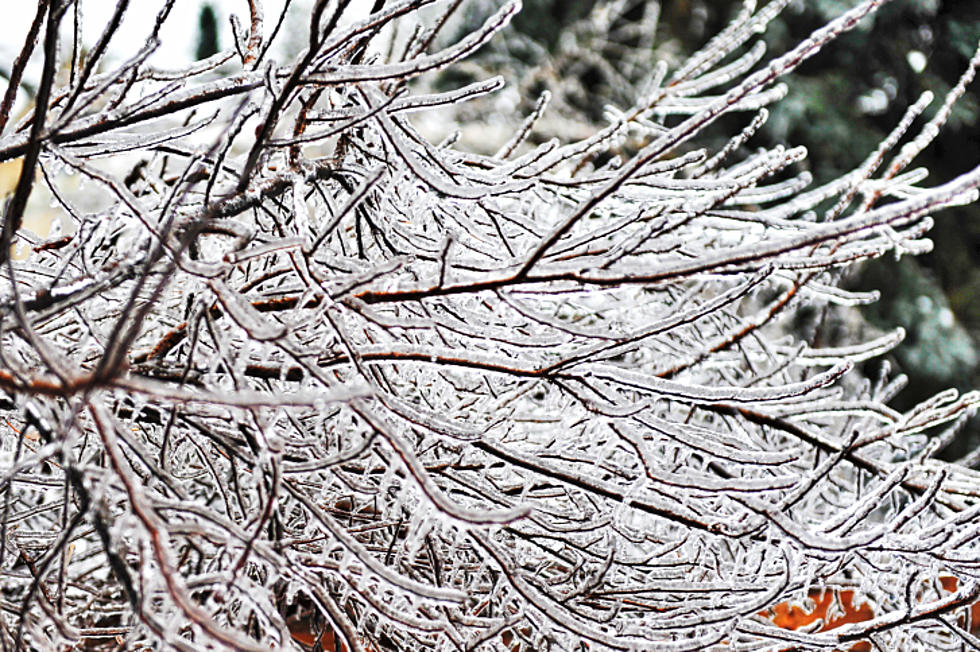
[{"x": 302, "y": 364}]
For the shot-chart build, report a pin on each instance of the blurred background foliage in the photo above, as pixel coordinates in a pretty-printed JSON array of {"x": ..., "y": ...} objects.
[
  {"x": 841, "y": 104},
  {"x": 207, "y": 38}
]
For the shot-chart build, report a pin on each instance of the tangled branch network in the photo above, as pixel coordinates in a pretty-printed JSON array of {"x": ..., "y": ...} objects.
[{"x": 291, "y": 364}]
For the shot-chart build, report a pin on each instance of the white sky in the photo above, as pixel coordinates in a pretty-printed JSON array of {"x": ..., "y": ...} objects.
[{"x": 178, "y": 38}]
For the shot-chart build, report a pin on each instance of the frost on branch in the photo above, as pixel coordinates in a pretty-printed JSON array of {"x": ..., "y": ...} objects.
[{"x": 293, "y": 370}]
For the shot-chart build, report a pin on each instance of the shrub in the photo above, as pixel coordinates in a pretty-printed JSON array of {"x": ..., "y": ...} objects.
[{"x": 292, "y": 366}]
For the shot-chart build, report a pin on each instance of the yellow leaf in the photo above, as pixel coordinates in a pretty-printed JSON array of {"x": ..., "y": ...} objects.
[{"x": 9, "y": 174}]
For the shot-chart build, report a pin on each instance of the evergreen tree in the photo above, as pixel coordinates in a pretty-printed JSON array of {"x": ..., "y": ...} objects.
[{"x": 207, "y": 39}]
